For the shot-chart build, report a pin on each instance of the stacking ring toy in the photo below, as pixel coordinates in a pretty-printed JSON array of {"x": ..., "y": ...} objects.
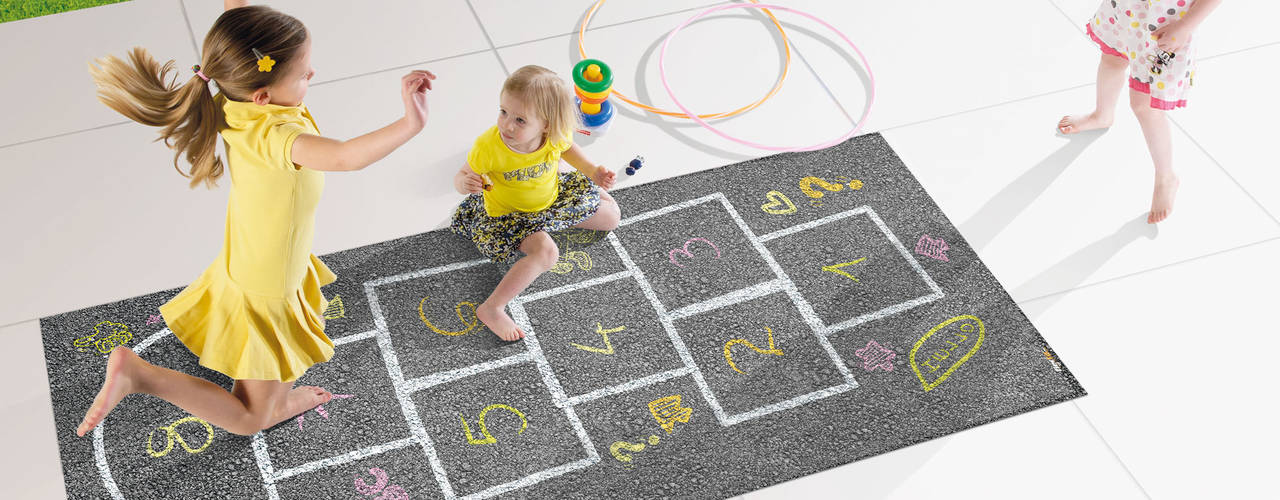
[
  {"x": 786, "y": 46},
  {"x": 662, "y": 57}
]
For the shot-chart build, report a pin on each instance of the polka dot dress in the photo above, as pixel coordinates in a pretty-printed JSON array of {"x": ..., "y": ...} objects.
[{"x": 1123, "y": 28}]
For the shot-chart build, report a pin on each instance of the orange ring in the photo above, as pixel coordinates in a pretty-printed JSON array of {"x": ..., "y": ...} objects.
[{"x": 582, "y": 32}]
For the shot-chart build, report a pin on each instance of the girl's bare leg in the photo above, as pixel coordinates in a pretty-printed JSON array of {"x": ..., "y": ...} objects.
[
  {"x": 1155, "y": 128},
  {"x": 253, "y": 405},
  {"x": 1111, "y": 75},
  {"x": 606, "y": 217},
  {"x": 540, "y": 254}
]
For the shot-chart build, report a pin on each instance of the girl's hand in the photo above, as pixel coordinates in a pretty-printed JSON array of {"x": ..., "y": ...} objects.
[
  {"x": 413, "y": 89},
  {"x": 469, "y": 183},
  {"x": 1172, "y": 37},
  {"x": 603, "y": 177}
]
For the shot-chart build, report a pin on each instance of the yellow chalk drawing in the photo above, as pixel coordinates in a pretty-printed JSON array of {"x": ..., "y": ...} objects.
[
  {"x": 728, "y": 356},
  {"x": 854, "y": 184},
  {"x": 806, "y": 185},
  {"x": 470, "y": 325},
  {"x": 565, "y": 264},
  {"x": 777, "y": 199},
  {"x": 616, "y": 450},
  {"x": 484, "y": 430},
  {"x": 335, "y": 309},
  {"x": 835, "y": 268},
  {"x": 170, "y": 434},
  {"x": 608, "y": 346},
  {"x": 667, "y": 411},
  {"x": 106, "y": 336},
  {"x": 971, "y": 323}
]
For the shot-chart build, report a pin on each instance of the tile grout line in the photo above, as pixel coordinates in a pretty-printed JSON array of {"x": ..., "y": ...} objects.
[
  {"x": 1157, "y": 268},
  {"x": 1067, "y": 16},
  {"x": 1225, "y": 171},
  {"x": 988, "y": 106},
  {"x": 487, "y": 38},
  {"x": 1112, "y": 450},
  {"x": 64, "y": 134},
  {"x": 190, "y": 31},
  {"x": 602, "y": 26}
]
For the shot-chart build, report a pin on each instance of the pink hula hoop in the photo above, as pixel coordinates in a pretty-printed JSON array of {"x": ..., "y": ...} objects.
[{"x": 662, "y": 72}]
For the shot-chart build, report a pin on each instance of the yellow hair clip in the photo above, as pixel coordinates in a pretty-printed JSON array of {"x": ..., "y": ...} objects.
[{"x": 265, "y": 62}]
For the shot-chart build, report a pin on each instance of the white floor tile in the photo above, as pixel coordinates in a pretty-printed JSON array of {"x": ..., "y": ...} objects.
[
  {"x": 1050, "y": 453},
  {"x": 30, "y": 466},
  {"x": 46, "y": 63},
  {"x": 1177, "y": 365},
  {"x": 516, "y": 22},
  {"x": 1227, "y": 115},
  {"x": 353, "y": 38},
  {"x": 933, "y": 59},
  {"x": 1233, "y": 25},
  {"x": 801, "y": 113},
  {"x": 95, "y": 239},
  {"x": 1048, "y": 213}
]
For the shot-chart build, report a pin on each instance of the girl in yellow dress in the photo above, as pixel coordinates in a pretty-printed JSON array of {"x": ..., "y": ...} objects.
[
  {"x": 528, "y": 197},
  {"x": 256, "y": 313}
]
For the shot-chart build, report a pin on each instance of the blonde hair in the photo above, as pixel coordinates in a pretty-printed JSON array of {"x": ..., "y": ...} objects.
[
  {"x": 145, "y": 91},
  {"x": 549, "y": 96}
]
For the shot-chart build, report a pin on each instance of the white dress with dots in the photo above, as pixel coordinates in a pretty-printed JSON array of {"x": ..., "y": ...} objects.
[{"x": 1123, "y": 28}]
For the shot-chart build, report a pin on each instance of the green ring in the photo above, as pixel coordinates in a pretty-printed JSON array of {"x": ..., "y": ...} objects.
[{"x": 589, "y": 86}]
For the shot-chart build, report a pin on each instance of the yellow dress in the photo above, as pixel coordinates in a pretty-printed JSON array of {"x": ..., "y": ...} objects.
[{"x": 257, "y": 312}]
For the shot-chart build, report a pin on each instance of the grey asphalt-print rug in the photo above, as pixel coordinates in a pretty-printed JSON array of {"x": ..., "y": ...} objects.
[{"x": 744, "y": 326}]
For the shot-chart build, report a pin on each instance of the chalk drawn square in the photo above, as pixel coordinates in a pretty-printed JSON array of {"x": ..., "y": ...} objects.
[
  {"x": 499, "y": 456},
  {"x": 601, "y": 337},
  {"x": 584, "y": 254},
  {"x": 215, "y": 456},
  {"x": 626, "y": 417},
  {"x": 430, "y": 315},
  {"x": 402, "y": 463},
  {"x": 369, "y": 416},
  {"x": 348, "y": 311},
  {"x": 692, "y": 252},
  {"x": 760, "y": 356},
  {"x": 851, "y": 269}
]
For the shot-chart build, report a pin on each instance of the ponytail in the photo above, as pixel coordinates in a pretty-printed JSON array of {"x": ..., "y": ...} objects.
[{"x": 188, "y": 115}]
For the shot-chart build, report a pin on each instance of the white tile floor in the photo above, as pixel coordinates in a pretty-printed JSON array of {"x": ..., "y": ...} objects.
[{"x": 1144, "y": 316}]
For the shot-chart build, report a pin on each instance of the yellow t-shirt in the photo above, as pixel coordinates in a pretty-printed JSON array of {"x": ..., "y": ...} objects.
[{"x": 522, "y": 182}]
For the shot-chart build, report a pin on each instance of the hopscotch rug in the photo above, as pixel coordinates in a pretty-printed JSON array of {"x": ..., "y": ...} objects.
[{"x": 744, "y": 326}]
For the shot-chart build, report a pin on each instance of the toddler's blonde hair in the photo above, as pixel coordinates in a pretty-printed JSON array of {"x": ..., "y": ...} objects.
[
  {"x": 549, "y": 96},
  {"x": 188, "y": 113}
]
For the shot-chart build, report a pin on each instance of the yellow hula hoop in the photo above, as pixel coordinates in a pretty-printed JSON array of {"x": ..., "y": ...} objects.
[{"x": 582, "y": 51}]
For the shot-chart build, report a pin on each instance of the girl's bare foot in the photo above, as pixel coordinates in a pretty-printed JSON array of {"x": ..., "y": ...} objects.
[
  {"x": 1080, "y": 123},
  {"x": 300, "y": 399},
  {"x": 122, "y": 368},
  {"x": 1162, "y": 197},
  {"x": 495, "y": 317}
]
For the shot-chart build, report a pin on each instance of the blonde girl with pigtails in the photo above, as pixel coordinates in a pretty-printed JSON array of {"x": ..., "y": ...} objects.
[{"x": 256, "y": 313}]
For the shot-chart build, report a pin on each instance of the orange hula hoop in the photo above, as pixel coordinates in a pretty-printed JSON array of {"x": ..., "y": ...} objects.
[{"x": 582, "y": 51}]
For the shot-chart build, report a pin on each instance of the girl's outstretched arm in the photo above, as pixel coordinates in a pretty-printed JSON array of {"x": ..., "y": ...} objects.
[
  {"x": 321, "y": 153},
  {"x": 597, "y": 173},
  {"x": 234, "y": 4}
]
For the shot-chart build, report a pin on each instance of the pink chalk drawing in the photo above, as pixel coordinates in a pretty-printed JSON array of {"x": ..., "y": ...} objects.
[
  {"x": 393, "y": 492},
  {"x": 685, "y": 250},
  {"x": 154, "y": 318},
  {"x": 320, "y": 409},
  {"x": 875, "y": 356},
  {"x": 933, "y": 248}
]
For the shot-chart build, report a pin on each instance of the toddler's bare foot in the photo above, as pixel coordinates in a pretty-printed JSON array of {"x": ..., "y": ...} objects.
[
  {"x": 1162, "y": 197},
  {"x": 122, "y": 368},
  {"x": 1080, "y": 123},
  {"x": 495, "y": 317},
  {"x": 300, "y": 399}
]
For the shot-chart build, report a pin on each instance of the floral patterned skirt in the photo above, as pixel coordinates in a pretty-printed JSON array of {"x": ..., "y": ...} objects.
[{"x": 499, "y": 238}]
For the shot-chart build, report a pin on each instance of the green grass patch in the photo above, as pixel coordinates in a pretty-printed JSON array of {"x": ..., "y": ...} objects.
[{"x": 13, "y": 10}]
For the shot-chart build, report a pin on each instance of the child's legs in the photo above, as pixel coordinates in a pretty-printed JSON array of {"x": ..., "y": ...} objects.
[
  {"x": 1155, "y": 128},
  {"x": 606, "y": 217},
  {"x": 541, "y": 254},
  {"x": 1111, "y": 79},
  {"x": 248, "y": 409}
]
